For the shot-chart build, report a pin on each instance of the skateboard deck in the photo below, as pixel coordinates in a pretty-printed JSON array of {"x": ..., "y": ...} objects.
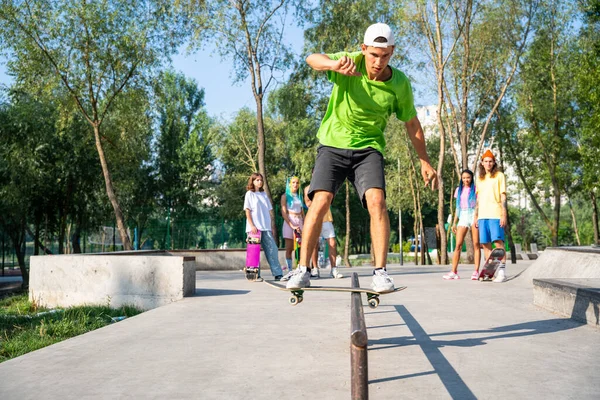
[
  {"x": 252, "y": 269},
  {"x": 297, "y": 294},
  {"x": 491, "y": 265}
]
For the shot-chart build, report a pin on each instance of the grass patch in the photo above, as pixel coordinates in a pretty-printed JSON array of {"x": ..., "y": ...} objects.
[{"x": 25, "y": 327}]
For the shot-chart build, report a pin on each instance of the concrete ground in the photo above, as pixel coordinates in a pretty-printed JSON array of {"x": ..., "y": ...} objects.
[{"x": 240, "y": 340}]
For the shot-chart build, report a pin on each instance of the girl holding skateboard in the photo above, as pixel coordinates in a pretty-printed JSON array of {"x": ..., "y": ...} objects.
[
  {"x": 464, "y": 218},
  {"x": 491, "y": 211},
  {"x": 292, "y": 211},
  {"x": 257, "y": 207}
]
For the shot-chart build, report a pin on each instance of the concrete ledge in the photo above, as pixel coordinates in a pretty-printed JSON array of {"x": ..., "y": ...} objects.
[
  {"x": 578, "y": 299},
  {"x": 564, "y": 263},
  {"x": 142, "y": 280},
  {"x": 224, "y": 259}
]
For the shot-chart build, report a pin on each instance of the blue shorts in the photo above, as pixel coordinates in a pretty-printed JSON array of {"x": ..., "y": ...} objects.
[{"x": 490, "y": 231}]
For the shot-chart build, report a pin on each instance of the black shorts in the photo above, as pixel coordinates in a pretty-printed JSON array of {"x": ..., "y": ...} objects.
[{"x": 363, "y": 168}]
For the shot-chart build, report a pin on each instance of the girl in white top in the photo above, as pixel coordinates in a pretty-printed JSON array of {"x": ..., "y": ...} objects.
[
  {"x": 292, "y": 211},
  {"x": 257, "y": 207}
]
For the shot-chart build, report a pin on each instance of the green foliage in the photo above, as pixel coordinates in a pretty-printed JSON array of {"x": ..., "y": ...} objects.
[
  {"x": 528, "y": 227},
  {"x": 586, "y": 77},
  {"x": 25, "y": 327},
  {"x": 94, "y": 49}
]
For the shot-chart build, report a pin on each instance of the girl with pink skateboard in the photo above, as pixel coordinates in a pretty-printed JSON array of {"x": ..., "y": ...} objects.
[{"x": 257, "y": 207}]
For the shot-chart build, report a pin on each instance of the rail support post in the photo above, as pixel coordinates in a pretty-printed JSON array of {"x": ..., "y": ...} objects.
[{"x": 358, "y": 346}]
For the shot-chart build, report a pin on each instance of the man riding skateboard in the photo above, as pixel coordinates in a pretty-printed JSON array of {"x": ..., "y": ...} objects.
[{"x": 366, "y": 91}]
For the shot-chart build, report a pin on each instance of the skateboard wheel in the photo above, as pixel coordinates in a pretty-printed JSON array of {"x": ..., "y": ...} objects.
[
  {"x": 300, "y": 299},
  {"x": 294, "y": 300},
  {"x": 374, "y": 302}
]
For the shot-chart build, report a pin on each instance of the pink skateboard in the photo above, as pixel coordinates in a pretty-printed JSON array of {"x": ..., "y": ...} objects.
[{"x": 253, "y": 257}]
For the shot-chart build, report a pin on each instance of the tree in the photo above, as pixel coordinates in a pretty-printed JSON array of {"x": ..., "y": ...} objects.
[
  {"x": 543, "y": 150},
  {"x": 95, "y": 50},
  {"x": 183, "y": 160},
  {"x": 251, "y": 33},
  {"x": 587, "y": 93},
  {"x": 467, "y": 41}
]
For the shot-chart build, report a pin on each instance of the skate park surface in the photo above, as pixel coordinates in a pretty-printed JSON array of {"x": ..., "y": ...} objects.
[{"x": 235, "y": 339}]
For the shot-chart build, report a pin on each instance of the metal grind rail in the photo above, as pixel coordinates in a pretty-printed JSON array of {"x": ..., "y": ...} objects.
[{"x": 358, "y": 346}]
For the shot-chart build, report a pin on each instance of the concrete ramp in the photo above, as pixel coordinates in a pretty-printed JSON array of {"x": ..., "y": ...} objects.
[
  {"x": 563, "y": 263},
  {"x": 566, "y": 281}
]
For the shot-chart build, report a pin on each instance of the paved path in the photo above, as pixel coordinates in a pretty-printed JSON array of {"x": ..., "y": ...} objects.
[{"x": 242, "y": 340}]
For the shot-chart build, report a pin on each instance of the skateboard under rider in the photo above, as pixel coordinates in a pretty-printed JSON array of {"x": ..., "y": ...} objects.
[
  {"x": 252, "y": 269},
  {"x": 297, "y": 294},
  {"x": 491, "y": 264}
]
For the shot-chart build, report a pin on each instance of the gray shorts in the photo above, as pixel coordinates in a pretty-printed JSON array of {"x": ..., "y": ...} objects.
[{"x": 363, "y": 168}]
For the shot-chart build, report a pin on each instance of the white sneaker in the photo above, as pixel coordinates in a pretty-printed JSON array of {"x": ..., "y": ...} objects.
[
  {"x": 299, "y": 279},
  {"x": 451, "y": 275},
  {"x": 381, "y": 281},
  {"x": 500, "y": 275},
  {"x": 315, "y": 273},
  {"x": 287, "y": 276},
  {"x": 335, "y": 273}
]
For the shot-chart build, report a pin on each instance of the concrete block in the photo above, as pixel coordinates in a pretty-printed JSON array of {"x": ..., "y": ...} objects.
[
  {"x": 145, "y": 281},
  {"x": 578, "y": 299},
  {"x": 224, "y": 259}
]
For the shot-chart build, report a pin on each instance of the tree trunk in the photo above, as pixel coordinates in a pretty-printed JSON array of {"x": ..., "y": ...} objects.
[
  {"x": 595, "y": 218},
  {"x": 511, "y": 243},
  {"x": 470, "y": 248},
  {"x": 111, "y": 192},
  {"x": 260, "y": 139},
  {"x": 556, "y": 223},
  {"x": 347, "y": 244},
  {"x": 438, "y": 241},
  {"x": 36, "y": 238},
  {"x": 574, "y": 222},
  {"x": 18, "y": 240},
  {"x": 75, "y": 240},
  {"x": 440, "y": 169},
  {"x": 62, "y": 227},
  {"x": 24, "y": 273},
  {"x": 38, "y": 244}
]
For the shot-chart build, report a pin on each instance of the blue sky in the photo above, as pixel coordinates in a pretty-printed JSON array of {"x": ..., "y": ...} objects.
[{"x": 222, "y": 97}]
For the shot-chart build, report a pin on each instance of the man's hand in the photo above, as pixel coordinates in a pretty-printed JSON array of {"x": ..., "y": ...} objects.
[
  {"x": 429, "y": 174},
  {"x": 345, "y": 66}
]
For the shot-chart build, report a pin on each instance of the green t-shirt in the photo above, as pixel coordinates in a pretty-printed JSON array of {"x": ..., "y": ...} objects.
[{"x": 359, "y": 108}]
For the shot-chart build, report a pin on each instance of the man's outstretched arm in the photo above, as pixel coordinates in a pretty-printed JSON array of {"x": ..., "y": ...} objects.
[
  {"x": 320, "y": 62},
  {"x": 417, "y": 137}
]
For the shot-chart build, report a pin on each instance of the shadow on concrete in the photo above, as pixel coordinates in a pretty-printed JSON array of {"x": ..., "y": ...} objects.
[
  {"x": 510, "y": 278},
  {"x": 393, "y": 378},
  {"x": 454, "y": 384},
  {"x": 218, "y": 292}
]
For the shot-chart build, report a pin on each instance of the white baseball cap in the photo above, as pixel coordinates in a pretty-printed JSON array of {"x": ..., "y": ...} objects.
[{"x": 379, "y": 30}]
